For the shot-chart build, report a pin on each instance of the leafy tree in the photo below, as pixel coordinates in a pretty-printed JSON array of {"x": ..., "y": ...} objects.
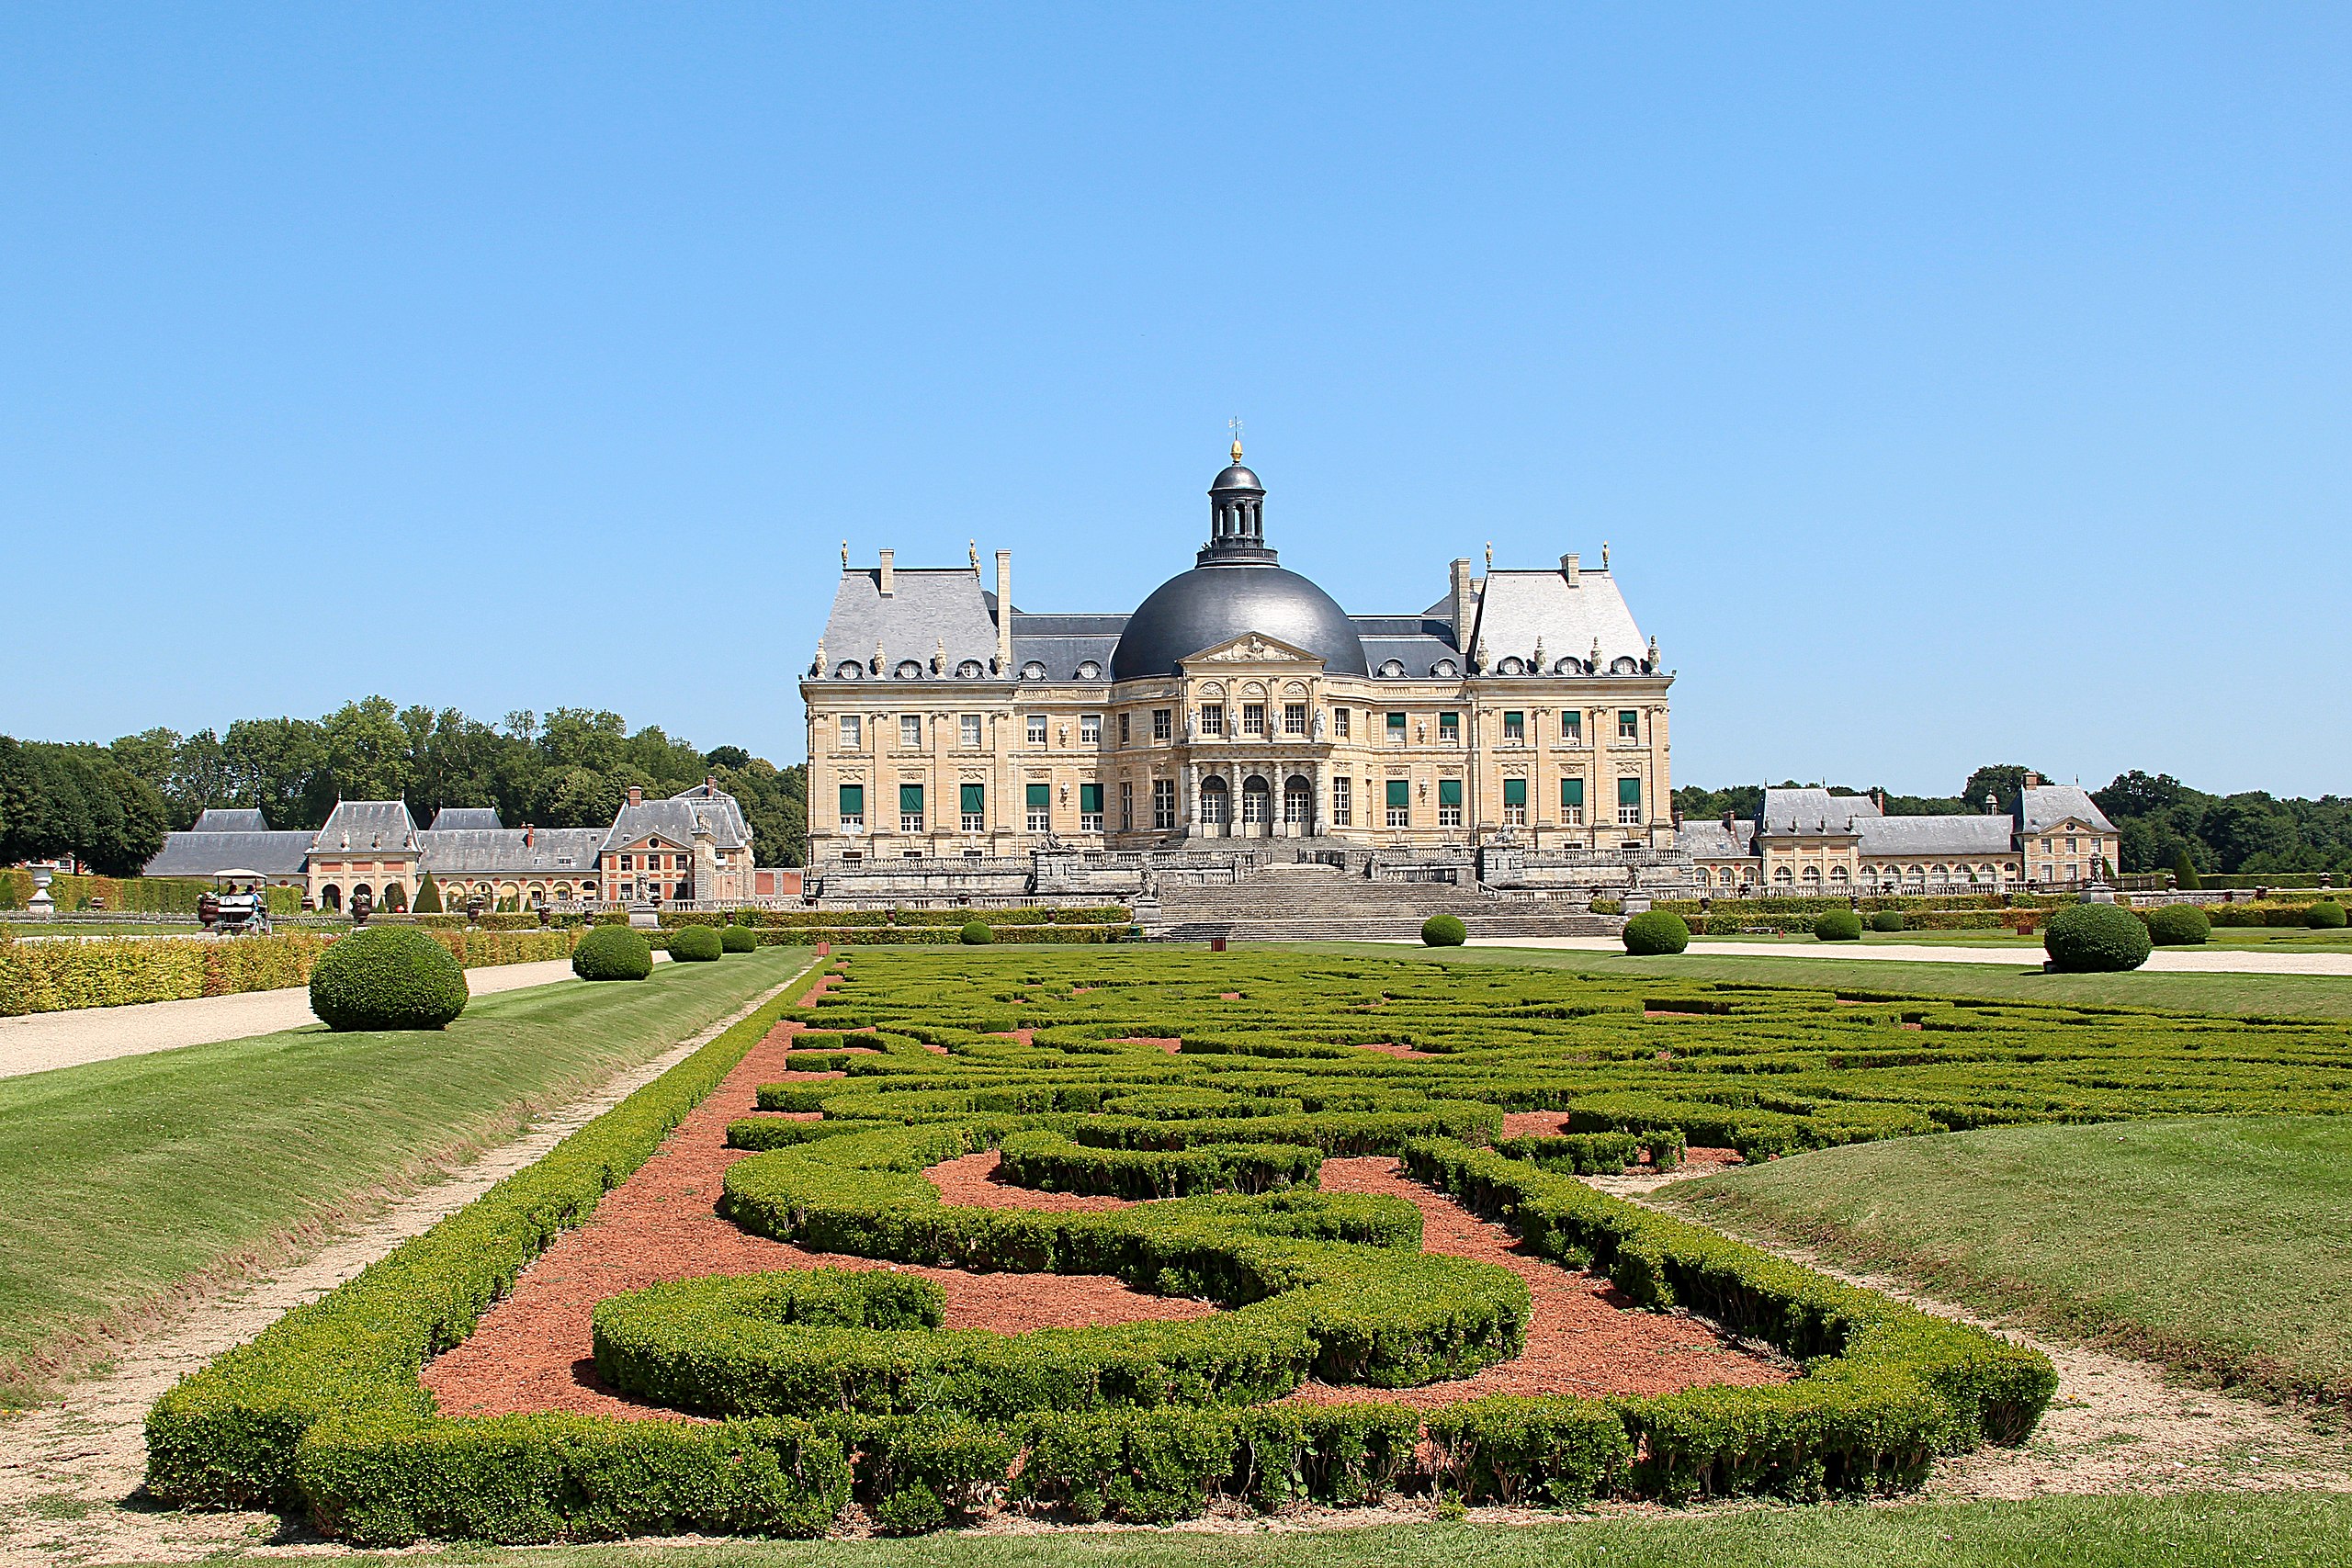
[
  {"x": 280, "y": 765},
  {"x": 368, "y": 752},
  {"x": 79, "y": 801},
  {"x": 2005, "y": 782}
]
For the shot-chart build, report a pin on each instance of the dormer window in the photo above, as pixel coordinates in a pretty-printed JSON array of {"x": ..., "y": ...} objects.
[
  {"x": 909, "y": 670},
  {"x": 1090, "y": 670},
  {"x": 1392, "y": 668},
  {"x": 1624, "y": 667},
  {"x": 1511, "y": 667},
  {"x": 968, "y": 669},
  {"x": 1445, "y": 669},
  {"x": 1033, "y": 671},
  {"x": 849, "y": 669}
]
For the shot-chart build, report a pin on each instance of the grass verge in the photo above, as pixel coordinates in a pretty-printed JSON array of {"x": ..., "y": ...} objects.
[
  {"x": 2212, "y": 1244},
  {"x": 124, "y": 1182}
]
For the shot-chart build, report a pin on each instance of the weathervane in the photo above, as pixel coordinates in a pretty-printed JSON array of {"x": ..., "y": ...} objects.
[{"x": 1234, "y": 424}]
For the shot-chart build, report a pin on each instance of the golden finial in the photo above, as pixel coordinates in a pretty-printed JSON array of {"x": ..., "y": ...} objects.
[
  {"x": 845, "y": 555},
  {"x": 1490, "y": 554},
  {"x": 1234, "y": 424}
]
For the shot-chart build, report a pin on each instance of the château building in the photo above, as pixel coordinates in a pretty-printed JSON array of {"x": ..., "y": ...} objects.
[{"x": 1238, "y": 702}]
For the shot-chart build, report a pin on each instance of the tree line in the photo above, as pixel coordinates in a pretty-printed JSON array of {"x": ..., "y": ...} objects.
[
  {"x": 110, "y": 805},
  {"x": 2161, "y": 823}
]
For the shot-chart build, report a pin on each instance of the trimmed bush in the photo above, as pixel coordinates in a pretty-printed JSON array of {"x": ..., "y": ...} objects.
[
  {"x": 2326, "y": 916},
  {"x": 2178, "y": 925},
  {"x": 387, "y": 977},
  {"x": 613, "y": 952},
  {"x": 1887, "y": 921},
  {"x": 1656, "y": 932},
  {"x": 1443, "y": 930},
  {"x": 737, "y": 939},
  {"x": 2096, "y": 939},
  {"x": 695, "y": 944},
  {"x": 976, "y": 933},
  {"x": 1838, "y": 925}
]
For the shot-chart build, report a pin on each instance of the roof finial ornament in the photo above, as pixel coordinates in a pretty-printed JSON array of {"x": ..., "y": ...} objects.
[
  {"x": 1604, "y": 555},
  {"x": 972, "y": 553},
  {"x": 1490, "y": 554},
  {"x": 1234, "y": 424},
  {"x": 845, "y": 555}
]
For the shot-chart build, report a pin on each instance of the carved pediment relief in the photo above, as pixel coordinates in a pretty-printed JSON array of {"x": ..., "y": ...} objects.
[{"x": 1253, "y": 649}]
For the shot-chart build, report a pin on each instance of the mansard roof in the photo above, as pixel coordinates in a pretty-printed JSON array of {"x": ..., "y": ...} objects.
[
  {"x": 675, "y": 818},
  {"x": 455, "y": 819},
  {"x": 502, "y": 851},
  {"x": 356, "y": 826},
  {"x": 1812, "y": 811},
  {"x": 230, "y": 820},
  {"x": 942, "y": 614},
  {"x": 1969, "y": 834},
  {"x": 2043, "y": 807},
  {"x": 1518, "y": 611}
]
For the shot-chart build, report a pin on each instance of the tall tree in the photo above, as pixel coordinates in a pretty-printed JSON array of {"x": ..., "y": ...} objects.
[
  {"x": 368, "y": 752},
  {"x": 280, "y": 765}
]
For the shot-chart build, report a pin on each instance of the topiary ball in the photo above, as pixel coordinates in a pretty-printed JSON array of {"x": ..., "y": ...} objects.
[
  {"x": 613, "y": 952},
  {"x": 1443, "y": 930},
  {"x": 387, "y": 977},
  {"x": 737, "y": 939},
  {"x": 695, "y": 944},
  {"x": 976, "y": 933},
  {"x": 2178, "y": 925},
  {"x": 1655, "y": 933},
  {"x": 2327, "y": 915},
  {"x": 1887, "y": 921},
  {"x": 1838, "y": 925},
  {"x": 2092, "y": 938}
]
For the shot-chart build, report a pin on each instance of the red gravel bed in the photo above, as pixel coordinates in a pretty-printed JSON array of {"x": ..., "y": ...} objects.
[
  {"x": 975, "y": 1182},
  {"x": 1535, "y": 1123},
  {"x": 1402, "y": 1052},
  {"x": 1583, "y": 1337}
]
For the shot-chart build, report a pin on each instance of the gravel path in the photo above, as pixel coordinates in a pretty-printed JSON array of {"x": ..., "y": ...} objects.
[
  {"x": 70, "y": 1472},
  {"x": 36, "y": 1043}
]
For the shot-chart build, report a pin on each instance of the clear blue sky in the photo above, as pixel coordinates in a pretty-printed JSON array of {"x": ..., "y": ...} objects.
[{"x": 1954, "y": 384}]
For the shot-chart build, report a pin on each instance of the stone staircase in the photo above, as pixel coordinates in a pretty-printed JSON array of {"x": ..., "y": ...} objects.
[{"x": 1321, "y": 903}]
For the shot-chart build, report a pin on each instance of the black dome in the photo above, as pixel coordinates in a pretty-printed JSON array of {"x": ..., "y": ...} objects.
[
  {"x": 1236, "y": 478},
  {"x": 1215, "y": 603}
]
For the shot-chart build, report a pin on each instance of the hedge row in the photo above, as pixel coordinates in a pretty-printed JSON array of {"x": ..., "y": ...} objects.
[
  {"x": 803, "y": 920},
  {"x": 884, "y": 936},
  {"x": 1051, "y": 1163},
  {"x": 136, "y": 894}
]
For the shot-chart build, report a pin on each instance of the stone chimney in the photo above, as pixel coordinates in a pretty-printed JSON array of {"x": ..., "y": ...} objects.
[
  {"x": 2033, "y": 781},
  {"x": 889, "y": 573},
  {"x": 530, "y": 836},
  {"x": 636, "y": 795},
  {"x": 1570, "y": 568},
  {"x": 1466, "y": 601},
  {"x": 1003, "y": 611}
]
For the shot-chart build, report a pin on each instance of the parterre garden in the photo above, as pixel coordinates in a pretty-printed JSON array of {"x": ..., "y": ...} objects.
[{"x": 1165, "y": 1122}]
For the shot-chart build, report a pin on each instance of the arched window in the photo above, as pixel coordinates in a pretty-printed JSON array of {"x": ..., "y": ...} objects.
[
  {"x": 1033, "y": 671},
  {"x": 1090, "y": 670},
  {"x": 1813, "y": 874},
  {"x": 1624, "y": 667},
  {"x": 1257, "y": 802},
  {"x": 849, "y": 669},
  {"x": 1392, "y": 667},
  {"x": 1216, "y": 801},
  {"x": 1567, "y": 667},
  {"x": 1783, "y": 876},
  {"x": 330, "y": 896},
  {"x": 1511, "y": 667},
  {"x": 967, "y": 669},
  {"x": 1445, "y": 670},
  {"x": 909, "y": 670},
  {"x": 1298, "y": 800},
  {"x": 1836, "y": 873}
]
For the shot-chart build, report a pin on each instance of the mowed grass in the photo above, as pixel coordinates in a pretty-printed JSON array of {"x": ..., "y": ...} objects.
[
  {"x": 122, "y": 1181},
  {"x": 2224, "y": 996},
  {"x": 2216, "y": 1245},
  {"x": 2235, "y": 1531}
]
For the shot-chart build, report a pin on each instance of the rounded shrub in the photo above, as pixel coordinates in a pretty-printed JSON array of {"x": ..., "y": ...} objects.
[
  {"x": 1656, "y": 932},
  {"x": 2327, "y": 915},
  {"x": 613, "y": 952},
  {"x": 387, "y": 977},
  {"x": 2087, "y": 939},
  {"x": 737, "y": 939},
  {"x": 695, "y": 944},
  {"x": 1887, "y": 921},
  {"x": 976, "y": 933},
  {"x": 1838, "y": 925},
  {"x": 2177, "y": 925},
  {"x": 1443, "y": 930}
]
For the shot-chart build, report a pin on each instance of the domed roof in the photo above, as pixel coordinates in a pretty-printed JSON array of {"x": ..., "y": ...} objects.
[
  {"x": 1216, "y": 603},
  {"x": 1236, "y": 478}
]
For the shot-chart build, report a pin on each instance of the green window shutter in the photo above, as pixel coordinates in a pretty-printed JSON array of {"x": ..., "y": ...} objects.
[
  {"x": 973, "y": 799},
  {"x": 1629, "y": 718},
  {"x": 1515, "y": 792},
  {"x": 1449, "y": 792},
  {"x": 1396, "y": 722},
  {"x": 852, "y": 800},
  {"x": 1514, "y": 720},
  {"x": 1572, "y": 792},
  {"x": 1628, "y": 792},
  {"x": 1090, "y": 798},
  {"x": 910, "y": 799},
  {"x": 1039, "y": 796},
  {"x": 1400, "y": 792}
]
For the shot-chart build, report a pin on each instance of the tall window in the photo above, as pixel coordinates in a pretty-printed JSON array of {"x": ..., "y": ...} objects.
[
  {"x": 911, "y": 731},
  {"x": 1571, "y": 728},
  {"x": 909, "y": 808},
  {"x": 852, "y": 812},
  {"x": 1163, "y": 805},
  {"x": 1448, "y": 730},
  {"x": 1090, "y": 809},
  {"x": 853, "y": 732},
  {"x": 1212, "y": 721},
  {"x": 1629, "y": 803},
  {"x": 1395, "y": 729},
  {"x": 1515, "y": 729},
  {"x": 1089, "y": 729},
  {"x": 1036, "y": 730},
  {"x": 1253, "y": 718},
  {"x": 1629, "y": 725},
  {"x": 1514, "y": 803},
  {"x": 1340, "y": 723},
  {"x": 1572, "y": 803},
  {"x": 1126, "y": 807},
  {"x": 967, "y": 731},
  {"x": 1449, "y": 802},
  {"x": 1123, "y": 727},
  {"x": 1400, "y": 803},
  {"x": 973, "y": 803},
  {"x": 1163, "y": 723},
  {"x": 1293, "y": 718},
  {"x": 1343, "y": 814},
  {"x": 1040, "y": 798}
]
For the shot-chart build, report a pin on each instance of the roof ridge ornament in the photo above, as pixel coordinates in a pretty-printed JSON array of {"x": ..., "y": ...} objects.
[{"x": 1234, "y": 424}]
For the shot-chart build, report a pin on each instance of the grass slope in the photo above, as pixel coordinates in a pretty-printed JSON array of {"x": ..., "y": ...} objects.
[
  {"x": 121, "y": 1181},
  {"x": 2277, "y": 1531},
  {"x": 2213, "y": 1244},
  {"x": 2227, "y": 996}
]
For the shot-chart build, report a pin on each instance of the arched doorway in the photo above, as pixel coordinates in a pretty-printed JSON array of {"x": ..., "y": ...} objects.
[
  {"x": 331, "y": 896},
  {"x": 1298, "y": 802},
  {"x": 1257, "y": 803},
  {"x": 1216, "y": 802}
]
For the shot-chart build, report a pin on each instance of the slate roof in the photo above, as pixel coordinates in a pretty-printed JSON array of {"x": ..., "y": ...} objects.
[
  {"x": 1711, "y": 839},
  {"x": 354, "y": 826},
  {"x": 462, "y": 818},
  {"x": 275, "y": 852},
  {"x": 1419, "y": 653},
  {"x": 2045, "y": 805},
  {"x": 230, "y": 820},
  {"x": 930, "y": 611},
  {"x": 674, "y": 819},
  {"x": 1517, "y": 610},
  {"x": 1815, "y": 811},
  {"x": 1975, "y": 834},
  {"x": 501, "y": 852},
  {"x": 1062, "y": 643}
]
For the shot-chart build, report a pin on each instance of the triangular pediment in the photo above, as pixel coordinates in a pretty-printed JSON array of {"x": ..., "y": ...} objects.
[{"x": 1253, "y": 648}]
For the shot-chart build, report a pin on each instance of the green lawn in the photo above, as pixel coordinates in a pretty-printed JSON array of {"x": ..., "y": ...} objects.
[
  {"x": 119, "y": 1179},
  {"x": 2277, "y": 1531},
  {"x": 2230, "y": 996},
  {"x": 2213, "y": 1244}
]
